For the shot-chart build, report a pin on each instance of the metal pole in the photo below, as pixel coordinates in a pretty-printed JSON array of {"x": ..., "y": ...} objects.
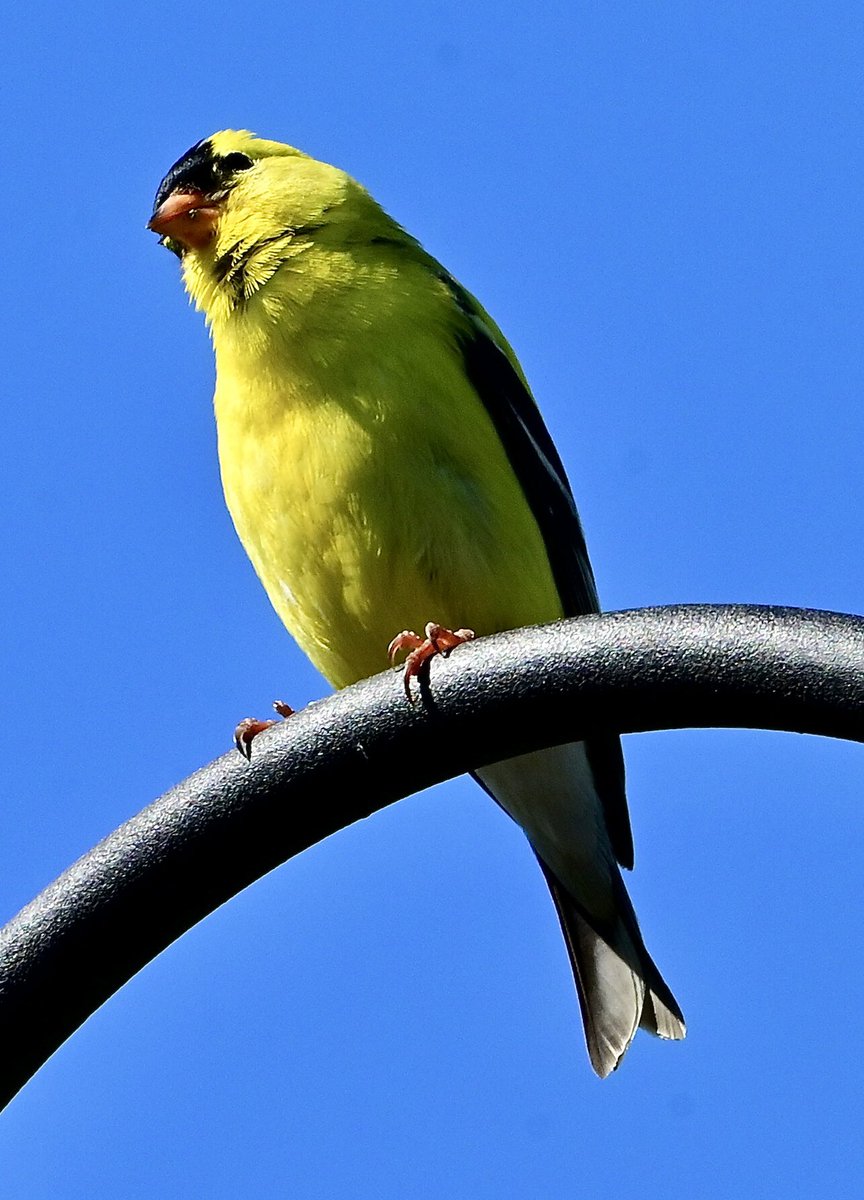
[{"x": 345, "y": 757}]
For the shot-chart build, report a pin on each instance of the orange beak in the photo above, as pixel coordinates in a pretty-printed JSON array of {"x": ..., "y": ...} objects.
[{"x": 189, "y": 218}]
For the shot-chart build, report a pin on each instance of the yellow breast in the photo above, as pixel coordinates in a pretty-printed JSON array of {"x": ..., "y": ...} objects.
[{"x": 372, "y": 494}]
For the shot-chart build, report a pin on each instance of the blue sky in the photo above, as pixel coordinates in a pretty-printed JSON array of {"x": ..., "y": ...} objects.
[{"x": 661, "y": 204}]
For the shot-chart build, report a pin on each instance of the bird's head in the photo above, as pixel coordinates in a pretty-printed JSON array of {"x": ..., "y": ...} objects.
[{"x": 235, "y": 208}]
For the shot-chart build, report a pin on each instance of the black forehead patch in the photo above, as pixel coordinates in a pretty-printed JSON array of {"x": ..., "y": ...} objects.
[{"x": 200, "y": 170}]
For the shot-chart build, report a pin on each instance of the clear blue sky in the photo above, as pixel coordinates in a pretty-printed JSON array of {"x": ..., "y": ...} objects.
[{"x": 662, "y": 206}]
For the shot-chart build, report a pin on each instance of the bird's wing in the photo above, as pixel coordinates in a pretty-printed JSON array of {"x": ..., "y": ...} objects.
[{"x": 495, "y": 376}]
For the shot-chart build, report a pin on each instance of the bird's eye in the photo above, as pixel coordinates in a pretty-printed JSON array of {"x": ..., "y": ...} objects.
[{"x": 236, "y": 162}]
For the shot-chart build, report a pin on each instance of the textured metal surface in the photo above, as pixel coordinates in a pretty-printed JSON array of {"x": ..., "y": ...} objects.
[{"x": 348, "y": 756}]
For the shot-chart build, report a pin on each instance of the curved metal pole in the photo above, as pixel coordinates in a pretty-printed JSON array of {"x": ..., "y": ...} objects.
[{"x": 345, "y": 757}]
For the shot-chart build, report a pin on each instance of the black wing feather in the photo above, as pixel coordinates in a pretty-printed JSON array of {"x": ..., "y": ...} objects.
[{"x": 541, "y": 474}]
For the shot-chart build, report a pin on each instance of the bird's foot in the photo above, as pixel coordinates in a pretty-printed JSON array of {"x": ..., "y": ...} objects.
[
  {"x": 250, "y": 727},
  {"x": 438, "y": 640}
]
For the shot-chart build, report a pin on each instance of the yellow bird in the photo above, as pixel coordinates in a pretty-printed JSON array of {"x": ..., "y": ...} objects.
[{"x": 386, "y": 466}]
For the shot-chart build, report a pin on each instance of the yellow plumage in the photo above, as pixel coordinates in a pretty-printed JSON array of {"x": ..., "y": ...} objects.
[
  {"x": 366, "y": 481},
  {"x": 385, "y": 466}
]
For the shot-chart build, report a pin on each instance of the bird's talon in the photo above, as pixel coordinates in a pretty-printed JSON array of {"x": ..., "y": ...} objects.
[
  {"x": 438, "y": 640},
  {"x": 246, "y": 731},
  {"x": 250, "y": 727},
  {"x": 406, "y": 640}
]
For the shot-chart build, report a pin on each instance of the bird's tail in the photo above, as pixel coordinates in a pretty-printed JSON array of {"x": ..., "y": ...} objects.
[{"x": 619, "y": 987}]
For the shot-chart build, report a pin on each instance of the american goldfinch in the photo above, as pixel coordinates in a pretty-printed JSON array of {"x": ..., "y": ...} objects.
[{"x": 386, "y": 467}]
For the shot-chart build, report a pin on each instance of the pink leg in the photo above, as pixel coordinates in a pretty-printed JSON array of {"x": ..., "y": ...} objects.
[
  {"x": 438, "y": 640},
  {"x": 249, "y": 728}
]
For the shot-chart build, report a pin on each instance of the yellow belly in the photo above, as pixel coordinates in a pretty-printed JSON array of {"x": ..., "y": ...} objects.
[{"x": 363, "y": 518}]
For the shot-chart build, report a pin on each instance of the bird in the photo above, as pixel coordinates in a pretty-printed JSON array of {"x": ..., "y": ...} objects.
[{"x": 386, "y": 467}]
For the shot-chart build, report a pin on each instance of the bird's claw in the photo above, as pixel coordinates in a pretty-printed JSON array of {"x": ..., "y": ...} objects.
[
  {"x": 249, "y": 728},
  {"x": 438, "y": 640}
]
